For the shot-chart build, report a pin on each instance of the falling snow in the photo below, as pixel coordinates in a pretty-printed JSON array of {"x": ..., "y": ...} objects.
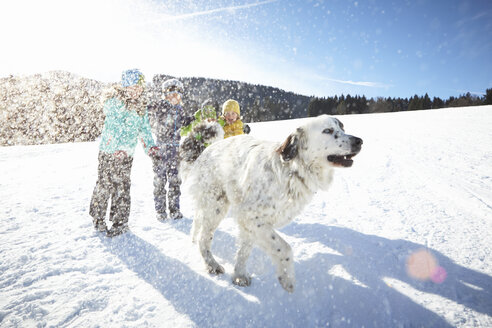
[{"x": 401, "y": 239}]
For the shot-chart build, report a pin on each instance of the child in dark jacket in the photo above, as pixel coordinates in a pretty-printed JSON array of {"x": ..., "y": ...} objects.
[
  {"x": 167, "y": 117},
  {"x": 126, "y": 122}
]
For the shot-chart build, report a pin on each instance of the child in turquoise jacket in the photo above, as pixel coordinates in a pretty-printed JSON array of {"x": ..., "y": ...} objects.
[{"x": 126, "y": 122}]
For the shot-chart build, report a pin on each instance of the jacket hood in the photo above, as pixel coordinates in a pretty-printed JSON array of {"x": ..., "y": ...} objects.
[{"x": 117, "y": 91}]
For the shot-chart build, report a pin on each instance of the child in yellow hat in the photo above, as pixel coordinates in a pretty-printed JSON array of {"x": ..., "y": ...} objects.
[{"x": 233, "y": 125}]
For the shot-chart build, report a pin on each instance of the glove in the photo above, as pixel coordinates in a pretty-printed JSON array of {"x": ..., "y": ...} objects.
[
  {"x": 246, "y": 129},
  {"x": 120, "y": 154},
  {"x": 187, "y": 120},
  {"x": 154, "y": 152}
]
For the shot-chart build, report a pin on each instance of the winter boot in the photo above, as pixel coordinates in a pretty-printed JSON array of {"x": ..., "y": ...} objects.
[
  {"x": 99, "y": 225},
  {"x": 175, "y": 214},
  {"x": 162, "y": 216},
  {"x": 117, "y": 229}
]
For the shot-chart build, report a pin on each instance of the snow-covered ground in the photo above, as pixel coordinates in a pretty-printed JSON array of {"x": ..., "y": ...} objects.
[{"x": 422, "y": 185}]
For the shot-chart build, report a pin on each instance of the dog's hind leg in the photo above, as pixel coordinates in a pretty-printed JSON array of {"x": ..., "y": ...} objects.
[
  {"x": 280, "y": 252},
  {"x": 241, "y": 277}
]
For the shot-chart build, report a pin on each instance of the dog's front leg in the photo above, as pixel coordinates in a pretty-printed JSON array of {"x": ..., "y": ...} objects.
[
  {"x": 241, "y": 277},
  {"x": 280, "y": 252},
  {"x": 196, "y": 229},
  {"x": 208, "y": 228}
]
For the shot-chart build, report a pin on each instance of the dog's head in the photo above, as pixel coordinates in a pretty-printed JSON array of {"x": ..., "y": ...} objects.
[{"x": 321, "y": 140}]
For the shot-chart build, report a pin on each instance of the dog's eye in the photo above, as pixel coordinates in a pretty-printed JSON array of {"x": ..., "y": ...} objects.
[{"x": 328, "y": 131}]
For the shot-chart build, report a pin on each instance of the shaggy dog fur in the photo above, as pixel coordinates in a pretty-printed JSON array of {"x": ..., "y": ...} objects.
[
  {"x": 202, "y": 135},
  {"x": 263, "y": 185}
]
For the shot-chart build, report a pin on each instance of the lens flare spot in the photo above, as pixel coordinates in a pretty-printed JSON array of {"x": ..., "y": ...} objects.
[
  {"x": 439, "y": 275},
  {"x": 422, "y": 265}
]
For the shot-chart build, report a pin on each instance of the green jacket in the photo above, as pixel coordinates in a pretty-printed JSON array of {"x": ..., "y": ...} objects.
[
  {"x": 207, "y": 112},
  {"x": 123, "y": 127}
]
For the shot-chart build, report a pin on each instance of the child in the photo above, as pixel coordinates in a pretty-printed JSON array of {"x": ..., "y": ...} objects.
[
  {"x": 199, "y": 134},
  {"x": 231, "y": 116},
  {"x": 167, "y": 118},
  {"x": 205, "y": 113},
  {"x": 126, "y": 121}
]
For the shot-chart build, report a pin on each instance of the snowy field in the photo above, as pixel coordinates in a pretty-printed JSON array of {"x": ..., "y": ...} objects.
[{"x": 422, "y": 185}]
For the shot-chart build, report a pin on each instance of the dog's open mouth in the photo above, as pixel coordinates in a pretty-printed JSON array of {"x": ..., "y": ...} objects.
[{"x": 345, "y": 160}]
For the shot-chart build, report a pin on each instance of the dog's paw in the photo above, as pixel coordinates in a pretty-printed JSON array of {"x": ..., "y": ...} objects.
[
  {"x": 241, "y": 280},
  {"x": 215, "y": 269},
  {"x": 287, "y": 282}
]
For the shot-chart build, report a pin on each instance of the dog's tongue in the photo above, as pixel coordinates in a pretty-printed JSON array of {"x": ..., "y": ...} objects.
[{"x": 341, "y": 160}]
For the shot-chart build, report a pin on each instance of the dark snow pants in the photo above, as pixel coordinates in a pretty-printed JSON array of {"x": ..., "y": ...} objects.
[
  {"x": 113, "y": 182},
  {"x": 166, "y": 171}
]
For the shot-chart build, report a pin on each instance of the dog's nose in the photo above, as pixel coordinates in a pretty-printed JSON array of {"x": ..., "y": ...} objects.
[{"x": 357, "y": 142}]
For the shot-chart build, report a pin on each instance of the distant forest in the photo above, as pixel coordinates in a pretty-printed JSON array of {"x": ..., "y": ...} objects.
[
  {"x": 361, "y": 105},
  {"x": 258, "y": 103},
  {"x": 261, "y": 103}
]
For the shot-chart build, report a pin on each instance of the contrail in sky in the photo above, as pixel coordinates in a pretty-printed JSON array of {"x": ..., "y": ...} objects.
[
  {"x": 361, "y": 83},
  {"x": 213, "y": 11}
]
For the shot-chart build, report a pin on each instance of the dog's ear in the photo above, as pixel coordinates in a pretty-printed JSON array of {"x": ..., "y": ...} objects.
[
  {"x": 340, "y": 124},
  {"x": 290, "y": 148}
]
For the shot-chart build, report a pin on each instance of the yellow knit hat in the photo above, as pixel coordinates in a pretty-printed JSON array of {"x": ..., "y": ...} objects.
[{"x": 231, "y": 106}]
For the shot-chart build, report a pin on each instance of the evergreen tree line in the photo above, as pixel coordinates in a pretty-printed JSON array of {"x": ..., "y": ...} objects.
[
  {"x": 258, "y": 102},
  {"x": 361, "y": 105}
]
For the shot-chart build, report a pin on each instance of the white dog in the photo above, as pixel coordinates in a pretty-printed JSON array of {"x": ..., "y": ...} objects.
[{"x": 264, "y": 185}]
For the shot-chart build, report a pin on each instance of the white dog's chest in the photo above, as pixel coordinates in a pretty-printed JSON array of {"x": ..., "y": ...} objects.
[{"x": 282, "y": 213}]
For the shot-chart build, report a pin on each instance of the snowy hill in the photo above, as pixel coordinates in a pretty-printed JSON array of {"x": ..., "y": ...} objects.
[
  {"x": 420, "y": 186},
  {"x": 52, "y": 107}
]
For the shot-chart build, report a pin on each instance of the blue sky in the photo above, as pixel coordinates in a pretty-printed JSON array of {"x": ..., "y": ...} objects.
[{"x": 322, "y": 48}]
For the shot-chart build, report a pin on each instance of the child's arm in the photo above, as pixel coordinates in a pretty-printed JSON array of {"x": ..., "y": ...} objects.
[
  {"x": 185, "y": 130},
  {"x": 107, "y": 106},
  {"x": 187, "y": 123},
  {"x": 221, "y": 121},
  {"x": 146, "y": 135},
  {"x": 238, "y": 129}
]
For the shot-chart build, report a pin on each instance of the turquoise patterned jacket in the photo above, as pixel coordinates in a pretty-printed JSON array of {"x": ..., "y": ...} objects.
[{"x": 123, "y": 128}]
